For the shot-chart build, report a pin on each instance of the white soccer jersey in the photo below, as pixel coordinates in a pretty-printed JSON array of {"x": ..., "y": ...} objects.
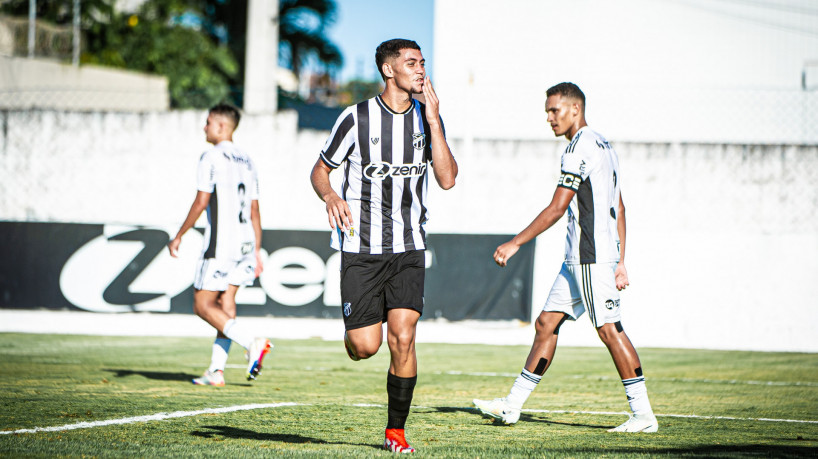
[
  {"x": 385, "y": 178},
  {"x": 229, "y": 175},
  {"x": 590, "y": 166}
]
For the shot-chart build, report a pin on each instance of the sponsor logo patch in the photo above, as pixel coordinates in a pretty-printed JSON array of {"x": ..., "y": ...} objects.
[
  {"x": 375, "y": 140},
  {"x": 611, "y": 304},
  {"x": 347, "y": 309},
  {"x": 382, "y": 170}
]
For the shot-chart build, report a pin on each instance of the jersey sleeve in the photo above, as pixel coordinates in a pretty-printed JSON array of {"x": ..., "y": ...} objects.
[
  {"x": 206, "y": 173},
  {"x": 573, "y": 169},
  {"x": 341, "y": 139}
]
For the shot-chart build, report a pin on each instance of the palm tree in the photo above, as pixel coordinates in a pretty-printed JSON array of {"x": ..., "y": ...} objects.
[{"x": 302, "y": 33}]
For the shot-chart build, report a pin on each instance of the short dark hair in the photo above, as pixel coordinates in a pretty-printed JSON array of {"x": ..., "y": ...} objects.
[
  {"x": 566, "y": 90},
  {"x": 231, "y": 112},
  {"x": 390, "y": 49}
]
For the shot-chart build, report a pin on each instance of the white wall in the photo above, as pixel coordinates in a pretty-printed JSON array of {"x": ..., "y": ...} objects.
[
  {"x": 722, "y": 239},
  {"x": 653, "y": 70},
  {"x": 40, "y": 83}
]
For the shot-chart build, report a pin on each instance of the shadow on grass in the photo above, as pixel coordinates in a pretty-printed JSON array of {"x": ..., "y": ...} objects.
[
  {"x": 232, "y": 432},
  {"x": 162, "y": 376},
  {"x": 523, "y": 417},
  {"x": 158, "y": 375}
]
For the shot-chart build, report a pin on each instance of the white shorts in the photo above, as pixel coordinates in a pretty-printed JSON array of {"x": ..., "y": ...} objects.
[
  {"x": 588, "y": 287},
  {"x": 214, "y": 274}
]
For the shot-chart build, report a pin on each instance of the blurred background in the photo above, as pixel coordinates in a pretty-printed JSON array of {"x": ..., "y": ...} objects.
[{"x": 712, "y": 106}]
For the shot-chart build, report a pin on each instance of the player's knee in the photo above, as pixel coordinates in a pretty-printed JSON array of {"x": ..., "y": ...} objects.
[
  {"x": 545, "y": 325},
  {"x": 199, "y": 307},
  {"x": 366, "y": 350},
  {"x": 402, "y": 342},
  {"x": 609, "y": 333}
]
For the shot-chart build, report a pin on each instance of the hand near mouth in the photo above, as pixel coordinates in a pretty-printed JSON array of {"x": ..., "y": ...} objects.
[{"x": 432, "y": 102}]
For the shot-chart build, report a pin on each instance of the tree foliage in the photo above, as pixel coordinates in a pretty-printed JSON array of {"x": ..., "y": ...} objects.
[
  {"x": 302, "y": 33},
  {"x": 163, "y": 38},
  {"x": 199, "y": 45}
]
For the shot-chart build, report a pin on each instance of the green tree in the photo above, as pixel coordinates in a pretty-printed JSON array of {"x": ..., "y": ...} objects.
[
  {"x": 302, "y": 33},
  {"x": 165, "y": 37},
  {"x": 199, "y": 45}
]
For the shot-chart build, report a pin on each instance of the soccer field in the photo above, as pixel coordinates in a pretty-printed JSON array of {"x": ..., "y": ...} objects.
[{"x": 126, "y": 396}]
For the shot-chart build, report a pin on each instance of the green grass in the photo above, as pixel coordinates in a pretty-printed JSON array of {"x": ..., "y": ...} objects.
[{"x": 50, "y": 380}]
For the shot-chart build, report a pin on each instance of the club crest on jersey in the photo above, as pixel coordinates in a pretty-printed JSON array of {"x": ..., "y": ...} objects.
[
  {"x": 419, "y": 140},
  {"x": 375, "y": 140},
  {"x": 382, "y": 170}
]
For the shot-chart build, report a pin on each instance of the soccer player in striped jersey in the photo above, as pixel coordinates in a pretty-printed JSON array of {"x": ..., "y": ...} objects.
[
  {"x": 387, "y": 146},
  {"x": 594, "y": 269},
  {"x": 227, "y": 182}
]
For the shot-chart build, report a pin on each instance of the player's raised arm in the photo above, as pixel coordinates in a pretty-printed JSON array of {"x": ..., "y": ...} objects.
[
  {"x": 337, "y": 209},
  {"x": 444, "y": 165}
]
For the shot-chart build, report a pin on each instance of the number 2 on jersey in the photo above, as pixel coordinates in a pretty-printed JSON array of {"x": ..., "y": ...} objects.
[{"x": 242, "y": 203}]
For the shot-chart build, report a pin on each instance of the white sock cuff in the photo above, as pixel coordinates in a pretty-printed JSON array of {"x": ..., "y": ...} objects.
[
  {"x": 631, "y": 381},
  {"x": 529, "y": 376}
]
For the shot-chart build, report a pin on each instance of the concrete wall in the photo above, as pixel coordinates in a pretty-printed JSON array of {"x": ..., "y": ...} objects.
[
  {"x": 668, "y": 71},
  {"x": 722, "y": 238},
  {"x": 45, "y": 84}
]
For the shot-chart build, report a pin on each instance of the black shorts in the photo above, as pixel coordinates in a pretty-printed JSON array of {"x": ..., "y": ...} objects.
[{"x": 371, "y": 285}]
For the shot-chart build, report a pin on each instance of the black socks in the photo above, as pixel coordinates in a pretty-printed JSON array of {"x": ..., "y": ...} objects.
[{"x": 400, "y": 391}]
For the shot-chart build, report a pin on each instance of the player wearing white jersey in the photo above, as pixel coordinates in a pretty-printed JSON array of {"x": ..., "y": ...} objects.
[
  {"x": 229, "y": 175},
  {"x": 227, "y": 183},
  {"x": 594, "y": 268},
  {"x": 386, "y": 146}
]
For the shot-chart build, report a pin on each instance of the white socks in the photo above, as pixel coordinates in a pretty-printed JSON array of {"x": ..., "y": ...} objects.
[
  {"x": 218, "y": 359},
  {"x": 236, "y": 332},
  {"x": 522, "y": 388},
  {"x": 637, "y": 393}
]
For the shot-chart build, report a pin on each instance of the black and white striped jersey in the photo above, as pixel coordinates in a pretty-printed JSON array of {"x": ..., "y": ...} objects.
[
  {"x": 590, "y": 166},
  {"x": 228, "y": 174},
  {"x": 386, "y": 158}
]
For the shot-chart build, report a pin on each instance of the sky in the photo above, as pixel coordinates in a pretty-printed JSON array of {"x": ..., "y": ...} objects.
[{"x": 362, "y": 25}]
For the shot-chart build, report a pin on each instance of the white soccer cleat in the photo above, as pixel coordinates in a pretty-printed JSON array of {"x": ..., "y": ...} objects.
[
  {"x": 215, "y": 378},
  {"x": 637, "y": 423},
  {"x": 498, "y": 409},
  {"x": 258, "y": 350}
]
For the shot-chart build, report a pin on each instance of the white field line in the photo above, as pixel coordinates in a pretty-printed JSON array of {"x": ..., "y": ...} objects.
[
  {"x": 149, "y": 417},
  {"x": 260, "y": 406},
  {"x": 610, "y": 378},
  {"x": 686, "y": 380},
  {"x": 691, "y": 416}
]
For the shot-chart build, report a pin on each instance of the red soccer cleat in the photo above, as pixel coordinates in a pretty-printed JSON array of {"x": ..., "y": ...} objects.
[{"x": 395, "y": 441}]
